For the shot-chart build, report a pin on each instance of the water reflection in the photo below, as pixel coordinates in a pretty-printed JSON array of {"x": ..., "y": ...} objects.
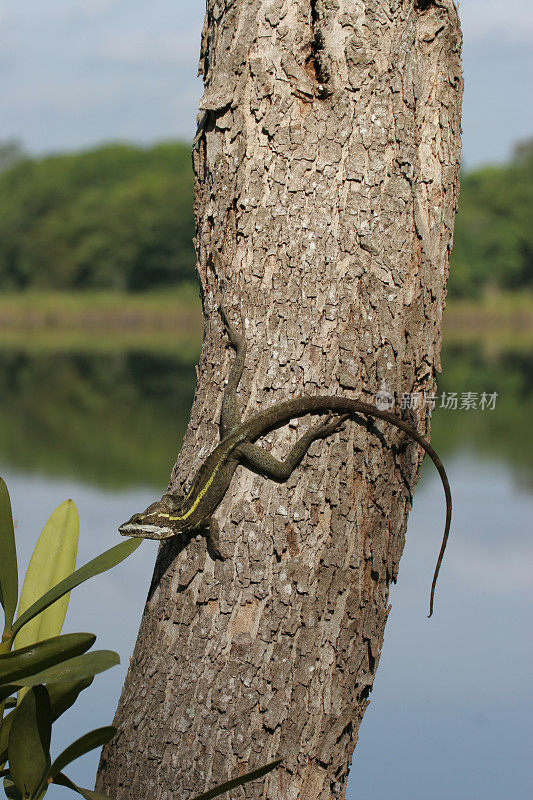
[
  {"x": 504, "y": 434},
  {"x": 117, "y": 419},
  {"x": 111, "y": 420}
]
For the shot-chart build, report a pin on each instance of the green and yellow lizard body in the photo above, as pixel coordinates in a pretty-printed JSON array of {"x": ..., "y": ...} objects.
[{"x": 175, "y": 514}]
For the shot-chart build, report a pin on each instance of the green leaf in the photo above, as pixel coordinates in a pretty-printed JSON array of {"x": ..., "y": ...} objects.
[
  {"x": 8, "y": 562},
  {"x": 53, "y": 559},
  {"x": 75, "y": 669},
  {"x": 249, "y": 776},
  {"x": 62, "y": 697},
  {"x": 62, "y": 780},
  {"x": 42, "y": 655},
  {"x": 10, "y": 789},
  {"x": 99, "y": 564},
  {"x": 90, "y": 741},
  {"x": 29, "y": 741}
]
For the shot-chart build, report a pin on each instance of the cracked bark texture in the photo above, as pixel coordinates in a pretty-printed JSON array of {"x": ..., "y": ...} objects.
[{"x": 326, "y": 169}]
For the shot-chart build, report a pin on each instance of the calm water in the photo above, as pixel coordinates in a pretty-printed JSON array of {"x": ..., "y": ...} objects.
[{"x": 452, "y": 702}]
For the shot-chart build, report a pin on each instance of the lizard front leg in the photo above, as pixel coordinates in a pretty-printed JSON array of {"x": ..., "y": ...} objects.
[
  {"x": 210, "y": 529},
  {"x": 262, "y": 461}
]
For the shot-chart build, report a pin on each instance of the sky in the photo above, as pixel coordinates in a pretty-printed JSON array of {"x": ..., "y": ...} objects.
[{"x": 74, "y": 73}]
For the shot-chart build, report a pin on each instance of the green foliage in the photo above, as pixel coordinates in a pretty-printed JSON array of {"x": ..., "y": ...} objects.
[
  {"x": 8, "y": 562},
  {"x": 62, "y": 696},
  {"x": 11, "y": 153},
  {"x": 72, "y": 670},
  {"x": 121, "y": 217},
  {"x": 86, "y": 743},
  {"x": 110, "y": 558},
  {"x": 504, "y": 433},
  {"x": 116, "y": 217},
  {"x": 29, "y": 742},
  {"x": 41, "y": 655},
  {"x": 62, "y": 780},
  {"x": 493, "y": 241},
  {"x": 49, "y": 674},
  {"x": 53, "y": 559}
]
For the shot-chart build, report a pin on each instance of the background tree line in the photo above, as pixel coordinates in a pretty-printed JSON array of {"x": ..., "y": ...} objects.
[
  {"x": 121, "y": 217},
  {"x": 118, "y": 217}
]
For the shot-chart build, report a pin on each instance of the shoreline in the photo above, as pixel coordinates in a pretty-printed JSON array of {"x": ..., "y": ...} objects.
[{"x": 172, "y": 320}]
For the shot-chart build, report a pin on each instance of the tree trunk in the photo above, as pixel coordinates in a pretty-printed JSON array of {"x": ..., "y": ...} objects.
[{"x": 327, "y": 179}]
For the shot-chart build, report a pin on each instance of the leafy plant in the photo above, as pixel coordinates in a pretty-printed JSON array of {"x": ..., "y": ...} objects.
[{"x": 46, "y": 671}]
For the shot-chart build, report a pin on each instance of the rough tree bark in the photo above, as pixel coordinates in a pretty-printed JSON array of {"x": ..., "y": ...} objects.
[{"x": 327, "y": 178}]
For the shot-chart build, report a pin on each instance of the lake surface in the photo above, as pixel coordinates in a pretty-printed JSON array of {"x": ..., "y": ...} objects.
[{"x": 449, "y": 717}]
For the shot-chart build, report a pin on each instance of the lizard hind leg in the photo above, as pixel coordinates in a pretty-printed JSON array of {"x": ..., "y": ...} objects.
[{"x": 265, "y": 463}]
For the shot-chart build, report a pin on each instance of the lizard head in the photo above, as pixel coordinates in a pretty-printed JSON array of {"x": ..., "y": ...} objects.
[{"x": 158, "y": 521}]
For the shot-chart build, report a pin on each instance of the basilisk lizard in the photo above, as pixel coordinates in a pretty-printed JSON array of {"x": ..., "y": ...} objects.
[{"x": 175, "y": 513}]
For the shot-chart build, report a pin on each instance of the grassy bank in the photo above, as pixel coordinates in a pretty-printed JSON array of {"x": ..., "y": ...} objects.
[
  {"x": 499, "y": 308},
  {"x": 171, "y": 320},
  {"x": 170, "y": 308},
  {"x": 498, "y": 320}
]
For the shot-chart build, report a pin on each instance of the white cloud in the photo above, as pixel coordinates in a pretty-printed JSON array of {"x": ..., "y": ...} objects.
[
  {"x": 92, "y": 8},
  {"x": 509, "y": 21},
  {"x": 65, "y": 10},
  {"x": 141, "y": 47}
]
